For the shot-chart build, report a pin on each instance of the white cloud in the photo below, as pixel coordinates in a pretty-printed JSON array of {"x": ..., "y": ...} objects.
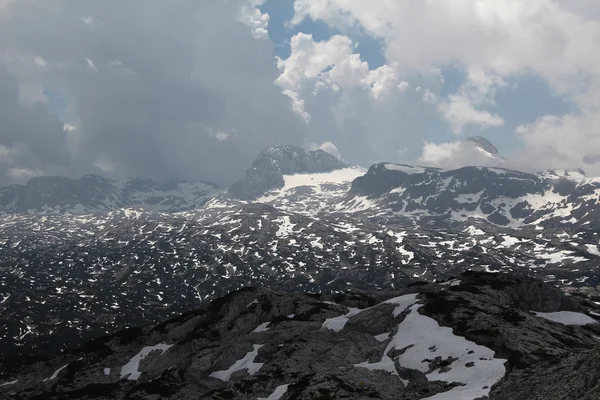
[
  {"x": 23, "y": 174},
  {"x": 439, "y": 154},
  {"x": 106, "y": 165},
  {"x": 256, "y": 20},
  {"x": 403, "y": 86},
  {"x": 457, "y": 154},
  {"x": 368, "y": 112},
  {"x": 91, "y": 65},
  {"x": 479, "y": 89},
  {"x": 40, "y": 61},
  {"x": 222, "y": 135},
  {"x": 327, "y": 147},
  {"x": 459, "y": 112},
  {"x": 493, "y": 42}
]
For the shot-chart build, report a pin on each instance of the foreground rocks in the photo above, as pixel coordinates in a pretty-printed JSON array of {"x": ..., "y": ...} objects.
[{"x": 462, "y": 339}]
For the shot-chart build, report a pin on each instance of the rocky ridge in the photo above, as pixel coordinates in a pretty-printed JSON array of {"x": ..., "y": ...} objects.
[{"x": 476, "y": 336}]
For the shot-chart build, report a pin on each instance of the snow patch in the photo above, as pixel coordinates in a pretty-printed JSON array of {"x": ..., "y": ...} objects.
[
  {"x": 407, "y": 169},
  {"x": 55, "y": 374},
  {"x": 383, "y": 337},
  {"x": 262, "y": 328},
  {"x": 336, "y": 324},
  {"x": 130, "y": 370},
  {"x": 276, "y": 395},
  {"x": 423, "y": 339},
  {"x": 567, "y": 317},
  {"x": 246, "y": 363}
]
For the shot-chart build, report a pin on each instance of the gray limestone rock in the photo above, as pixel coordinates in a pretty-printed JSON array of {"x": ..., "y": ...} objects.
[{"x": 256, "y": 343}]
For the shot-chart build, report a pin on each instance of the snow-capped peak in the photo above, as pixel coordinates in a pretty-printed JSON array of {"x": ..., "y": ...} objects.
[{"x": 485, "y": 147}]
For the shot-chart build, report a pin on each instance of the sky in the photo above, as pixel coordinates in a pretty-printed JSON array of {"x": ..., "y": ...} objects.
[{"x": 194, "y": 90}]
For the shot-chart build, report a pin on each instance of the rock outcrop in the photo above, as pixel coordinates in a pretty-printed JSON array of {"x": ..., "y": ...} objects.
[{"x": 460, "y": 339}]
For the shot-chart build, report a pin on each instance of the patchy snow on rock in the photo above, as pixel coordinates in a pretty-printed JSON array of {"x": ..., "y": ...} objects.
[
  {"x": 336, "y": 324},
  {"x": 276, "y": 395},
  {"x": 419, "y": 333},
  {"x": 317, "y": 182},
  {"x": 473, "y": 231},
  {"x": 567, "y": 317},
  {"x": 286, "y": 228},
  {"x": 423, "y": 339},
  {"x": 402, "y": 302},
  {"x": 262, "y": 328},
  {"x": 9, "y": 383},
  {"x": 246, "y": 363},
  {"x": 339, "y": 176},
  {"x": 106, "y": 371},
  {"x": 130, "y": 370},
  {"x": 55, "y": 374}
]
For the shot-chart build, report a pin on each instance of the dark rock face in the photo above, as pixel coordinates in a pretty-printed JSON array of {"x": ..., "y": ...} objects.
[
  {"x": 91, "y": 193},
  {"x": 275, "y": 161},
  {"x": 257, "y": 343},
  {"x": 575, "y": 376}
]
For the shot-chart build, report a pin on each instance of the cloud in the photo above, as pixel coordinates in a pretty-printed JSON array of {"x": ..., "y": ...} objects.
[
  {"x": 457, "y": 154},
  {"x": 30, "y": 138},
  {"x": 492, "y": 42},
  {"x": 155, "y": 89},
  {"x": 193, "y": 90},
  {"x": 368, "y": 112},
  {"x": 327, "y": 147}
]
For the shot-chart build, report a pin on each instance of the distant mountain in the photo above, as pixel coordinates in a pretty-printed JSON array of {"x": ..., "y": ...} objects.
[
  {"x": 485, "y": 147},
  {"x": 57, "y": 195},
  {"x": 500, "y": 196},
  {"x": 274, "y": 162}
]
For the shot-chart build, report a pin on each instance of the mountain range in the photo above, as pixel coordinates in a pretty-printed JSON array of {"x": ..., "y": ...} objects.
[{"x": 82, "y": 258}]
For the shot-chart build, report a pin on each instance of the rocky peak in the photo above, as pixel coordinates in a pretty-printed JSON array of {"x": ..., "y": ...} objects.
[
  {"x": 275, "y": 161},
  {"x": 485, "y": 147}
]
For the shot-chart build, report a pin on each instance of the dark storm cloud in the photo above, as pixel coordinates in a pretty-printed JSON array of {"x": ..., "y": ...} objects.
[
  {"x": 29, "y": 136},
  {"x": 157, "y": 88}
]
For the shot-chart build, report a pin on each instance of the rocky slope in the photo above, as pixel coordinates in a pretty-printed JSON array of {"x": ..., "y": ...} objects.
[
  {"x": 553, "y": 199},
  {"x": 476, "y": 336}
]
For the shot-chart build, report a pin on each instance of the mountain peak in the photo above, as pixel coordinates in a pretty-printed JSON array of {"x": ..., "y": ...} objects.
[
  {"x": 485, "y": 146},
  {"x": 277, "y": 160}
]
